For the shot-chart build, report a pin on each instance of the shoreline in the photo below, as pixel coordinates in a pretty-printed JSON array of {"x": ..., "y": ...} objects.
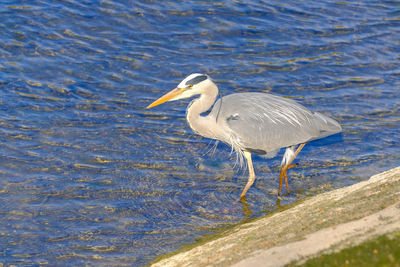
[{"x": 320, "y": 224}]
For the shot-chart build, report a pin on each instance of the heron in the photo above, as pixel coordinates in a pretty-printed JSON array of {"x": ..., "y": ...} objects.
[{"x": 251, "y": 123}]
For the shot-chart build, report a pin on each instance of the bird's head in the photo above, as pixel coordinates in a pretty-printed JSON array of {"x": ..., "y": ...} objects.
[{"x": 194, "y": 84}]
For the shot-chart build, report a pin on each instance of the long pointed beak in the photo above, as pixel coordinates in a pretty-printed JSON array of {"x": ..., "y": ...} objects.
[{"x": 166, "y": 97}]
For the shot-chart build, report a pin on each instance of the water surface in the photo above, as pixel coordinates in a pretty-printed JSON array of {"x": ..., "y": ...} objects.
[{"x": 88, "y": 176}]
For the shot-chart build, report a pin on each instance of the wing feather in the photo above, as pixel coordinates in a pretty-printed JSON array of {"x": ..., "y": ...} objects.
[{"x": 265, "y": 122}]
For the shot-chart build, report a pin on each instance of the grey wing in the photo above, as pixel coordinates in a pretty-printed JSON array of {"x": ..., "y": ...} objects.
[{"x": 263, "y": 123}]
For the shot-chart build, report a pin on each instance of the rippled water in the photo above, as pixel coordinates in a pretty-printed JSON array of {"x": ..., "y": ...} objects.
[{"x": 88, "y": 176}]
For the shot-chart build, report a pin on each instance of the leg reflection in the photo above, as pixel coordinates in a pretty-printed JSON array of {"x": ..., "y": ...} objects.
[{"x": 246, "y": 208}]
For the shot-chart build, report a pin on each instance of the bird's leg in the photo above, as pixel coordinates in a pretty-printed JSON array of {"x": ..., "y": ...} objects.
[
  {"x": 286, "y": 181},
  {"x": 252, "y": 175},
  {"x": 287, "y": 166},
  {"x": 292, "y": 166},
  {"x": 299, "y": 148},
  {"x": 282, "y": 174}
]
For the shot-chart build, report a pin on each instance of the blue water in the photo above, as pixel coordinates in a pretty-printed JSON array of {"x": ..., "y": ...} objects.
[{"x": 88, "y": 176}]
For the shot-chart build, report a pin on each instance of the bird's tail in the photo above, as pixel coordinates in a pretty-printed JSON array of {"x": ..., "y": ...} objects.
[{"x": 327, "y": 126}]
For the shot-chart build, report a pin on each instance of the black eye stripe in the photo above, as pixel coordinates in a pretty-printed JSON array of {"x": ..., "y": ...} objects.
[{"x": 196, "y": 80}]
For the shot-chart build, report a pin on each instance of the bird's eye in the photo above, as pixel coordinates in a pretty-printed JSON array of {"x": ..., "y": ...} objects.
[{"x": 190, "y": 85}]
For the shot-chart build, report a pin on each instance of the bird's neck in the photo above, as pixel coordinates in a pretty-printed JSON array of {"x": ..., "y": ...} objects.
[{"x": 203, "y": 125}]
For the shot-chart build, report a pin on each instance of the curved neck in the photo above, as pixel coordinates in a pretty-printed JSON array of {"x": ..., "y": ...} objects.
[{"x": 203, "y": 125}]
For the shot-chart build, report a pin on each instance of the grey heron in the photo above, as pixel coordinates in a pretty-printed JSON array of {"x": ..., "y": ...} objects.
[{"x": 257, "y": 123}]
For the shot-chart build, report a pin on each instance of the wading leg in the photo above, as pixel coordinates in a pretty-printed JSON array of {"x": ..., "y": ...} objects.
[
  {"x": 252, "y": 175},
  {"x": 287, "y": 166}
]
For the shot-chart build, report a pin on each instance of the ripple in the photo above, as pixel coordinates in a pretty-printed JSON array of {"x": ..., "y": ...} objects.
[{"x": 94, "y": 178}]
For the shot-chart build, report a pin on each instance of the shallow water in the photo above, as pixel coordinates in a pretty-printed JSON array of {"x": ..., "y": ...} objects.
[{"x": 89, "y": 177}]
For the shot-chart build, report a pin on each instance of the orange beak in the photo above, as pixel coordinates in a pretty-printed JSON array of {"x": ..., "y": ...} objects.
[{"x": 166, "y": 97}]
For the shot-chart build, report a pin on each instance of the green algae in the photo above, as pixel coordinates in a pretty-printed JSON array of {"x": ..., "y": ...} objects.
[{"x": 380, "y": 251}]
